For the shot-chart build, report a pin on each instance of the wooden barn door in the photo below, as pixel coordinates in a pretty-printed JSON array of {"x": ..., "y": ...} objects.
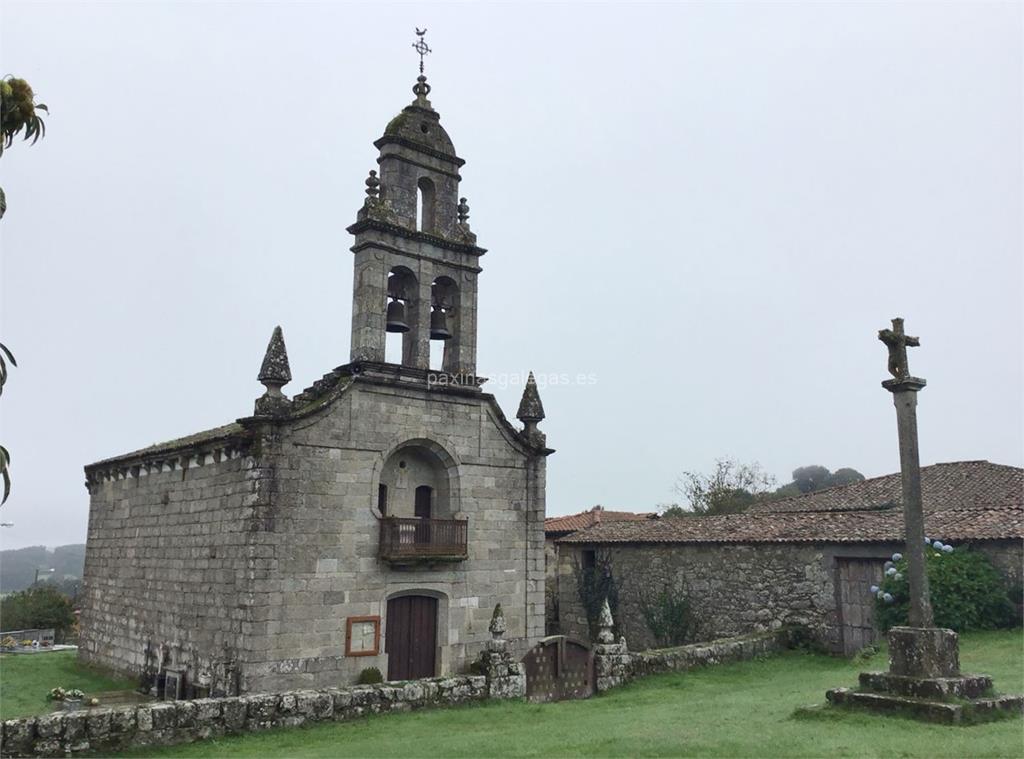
[
  {"x": 856, "y": 602},
  {"x": 411, "y": 638}
]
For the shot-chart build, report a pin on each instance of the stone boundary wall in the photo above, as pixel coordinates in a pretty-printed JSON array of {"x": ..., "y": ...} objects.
[
  {"x": 165, "y": 723},
  {"x": 172, "y": 722},
  {"x": 615, "y": 665}
]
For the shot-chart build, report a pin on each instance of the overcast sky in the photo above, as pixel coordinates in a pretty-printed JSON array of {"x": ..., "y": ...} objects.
[{"x": 710, "y": 208}]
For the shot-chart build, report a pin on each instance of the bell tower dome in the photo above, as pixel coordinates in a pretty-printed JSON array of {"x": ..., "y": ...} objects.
[{"x": 416, "y": 260}]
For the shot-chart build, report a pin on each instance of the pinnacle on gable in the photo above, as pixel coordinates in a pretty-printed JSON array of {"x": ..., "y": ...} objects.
[
  {"x": 530, "y": 407},
  {"x": 275, "y": 369}
]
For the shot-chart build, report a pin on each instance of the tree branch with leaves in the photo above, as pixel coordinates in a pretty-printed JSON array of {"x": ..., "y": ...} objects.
[{"x": 19, "y": 114}]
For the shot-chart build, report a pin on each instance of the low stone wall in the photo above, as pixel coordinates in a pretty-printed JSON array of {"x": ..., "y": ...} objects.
[
  {"x": 171, "y": 722},
  {"x": 614, "y": 664}
]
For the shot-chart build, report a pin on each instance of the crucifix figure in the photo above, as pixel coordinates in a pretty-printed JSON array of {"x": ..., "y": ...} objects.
[{"x": 897, "y": 343}]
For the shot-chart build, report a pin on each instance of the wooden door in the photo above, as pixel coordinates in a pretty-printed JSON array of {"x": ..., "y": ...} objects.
[
  {"x": 856, "y": 602},
  {"x": 423, "y": 509},
  {"x": 411, "y": 638}
]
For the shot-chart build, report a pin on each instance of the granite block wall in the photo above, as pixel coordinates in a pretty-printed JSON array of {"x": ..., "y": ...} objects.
[{"x": 166, "y": 567}]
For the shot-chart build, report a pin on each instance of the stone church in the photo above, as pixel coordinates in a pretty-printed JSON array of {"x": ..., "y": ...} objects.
[{"x": 372, "y": 520}]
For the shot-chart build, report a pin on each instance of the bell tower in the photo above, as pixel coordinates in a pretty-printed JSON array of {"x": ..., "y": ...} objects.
[{"x": 416, "y": 260}]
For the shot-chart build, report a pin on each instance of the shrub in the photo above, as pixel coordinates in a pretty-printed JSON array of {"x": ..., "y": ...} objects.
[
  {"x": 669, "y": 617},
  {"x": 369, "y": 676},
  {"x": 967, "y": 592}
]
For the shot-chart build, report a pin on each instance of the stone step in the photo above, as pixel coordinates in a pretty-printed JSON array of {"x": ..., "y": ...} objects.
[
  {"x": 934, "y": 688},
  {"x": 950, "y": 713}
]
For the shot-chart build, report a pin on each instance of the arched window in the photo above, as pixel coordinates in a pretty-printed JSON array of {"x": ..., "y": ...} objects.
[
  {"x": 444, "y": 327},
  {"x": 425, "y": 205},
  {"x": 401, "y": 316}
]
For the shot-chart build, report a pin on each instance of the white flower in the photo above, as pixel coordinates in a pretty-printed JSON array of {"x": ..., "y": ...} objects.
[
  {"x": 890, "y": 571},
  {"x": 879, "y": 595},
  {"x": 888, "y": 565},
  {"x": 874, "y": 588},
  {"x": 897, "y": 556},
  {"x": 927, "y": 541},
  {"x": 897, "y": 576},
  {"x": 887, "y": 597},
  {"x": 947, "y": 548},
  {"x": 937, "y": 545}
]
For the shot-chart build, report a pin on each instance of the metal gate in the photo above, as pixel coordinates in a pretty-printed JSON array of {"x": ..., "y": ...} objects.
[{"x": 558, "y": 668}]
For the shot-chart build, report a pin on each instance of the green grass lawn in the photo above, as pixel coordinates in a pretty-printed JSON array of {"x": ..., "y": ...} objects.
[
  {"x": 738, "y": 710},
  {"x": 26, "y": 680}
]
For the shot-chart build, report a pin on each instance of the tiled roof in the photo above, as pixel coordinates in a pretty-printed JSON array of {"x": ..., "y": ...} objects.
[
  {"x": 955, "y": 485},
  {"x": 962, "y": 501},
  {"x": 574, "y": 522}
]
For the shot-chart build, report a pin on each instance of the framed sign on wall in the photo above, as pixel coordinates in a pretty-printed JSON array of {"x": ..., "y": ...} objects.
[{"x": 362, "y": 636}]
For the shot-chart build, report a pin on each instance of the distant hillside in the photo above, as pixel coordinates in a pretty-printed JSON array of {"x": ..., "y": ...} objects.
[{"x": 18, "y": 566}]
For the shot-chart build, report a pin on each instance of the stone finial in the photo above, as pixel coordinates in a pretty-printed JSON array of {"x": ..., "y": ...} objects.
[
  {"x": 372, "y": 185},
  {"x": 497, "y": 644},
  {"x": 605, "y": 624},
  {"x": 463, "y": 209},
  {"x": 497, "y": 626},
  {"x": 530, "y": 407},
  {"x": 531, "y": 411},
  {"x": 274, "y": 374}
]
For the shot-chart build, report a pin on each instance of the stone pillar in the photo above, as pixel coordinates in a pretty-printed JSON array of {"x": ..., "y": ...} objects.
[
  {"x": 506, "y": 678},
  {"x": 904, "y": 396}
]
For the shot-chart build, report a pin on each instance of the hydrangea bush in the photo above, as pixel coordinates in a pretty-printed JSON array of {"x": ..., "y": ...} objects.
[{"x": 967, "y": 591}]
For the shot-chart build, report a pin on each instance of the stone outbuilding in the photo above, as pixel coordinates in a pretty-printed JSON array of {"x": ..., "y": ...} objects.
[
  {"x": 374, "y": 520},
  {"x": 556, "y": 528},
  {"x": 806, "y": 560}
]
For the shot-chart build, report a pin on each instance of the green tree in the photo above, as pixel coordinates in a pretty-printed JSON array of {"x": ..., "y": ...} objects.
[
  {"x": 729, "y": 489},
  {"x": 807, "y": 479},
  {"x": 40, "y": 606},
  {"x": 813, "y": 477}
]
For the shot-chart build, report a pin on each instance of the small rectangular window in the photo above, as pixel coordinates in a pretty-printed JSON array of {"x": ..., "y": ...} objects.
[
  {"x": 589, "y": 558},
  {"x": 382, "y": 499}
]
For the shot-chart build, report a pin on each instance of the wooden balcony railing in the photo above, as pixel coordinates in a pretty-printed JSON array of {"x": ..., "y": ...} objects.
[{"x": 423, "y": 540}]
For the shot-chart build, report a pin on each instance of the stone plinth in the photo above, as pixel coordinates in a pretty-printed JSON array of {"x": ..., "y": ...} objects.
[
  {"x": 924, "y": 652},
  {"x": 924, "y": 682}
]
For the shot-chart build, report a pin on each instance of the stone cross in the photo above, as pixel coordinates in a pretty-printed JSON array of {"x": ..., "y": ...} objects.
[
  {"x": 897, "y": 343},
  {"x": 904, "y": 389}
]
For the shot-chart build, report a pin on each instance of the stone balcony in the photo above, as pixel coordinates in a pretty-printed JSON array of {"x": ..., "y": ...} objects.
[{"x": 415, "y": 541}]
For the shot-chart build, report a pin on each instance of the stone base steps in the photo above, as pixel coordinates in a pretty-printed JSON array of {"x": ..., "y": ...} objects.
[
  {"x": 967, "y": 711},
  {"x": 935, "y": 688}
]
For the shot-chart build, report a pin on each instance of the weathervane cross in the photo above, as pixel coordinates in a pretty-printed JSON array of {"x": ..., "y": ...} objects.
[
  {"x": 897, "y": 342},
  {"x": 420, "y": 46}
]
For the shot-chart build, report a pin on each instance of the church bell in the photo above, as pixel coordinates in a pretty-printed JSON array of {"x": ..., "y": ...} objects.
[
  {"x": 396, "y": 317},
  {"x": 439, "y": 325}
]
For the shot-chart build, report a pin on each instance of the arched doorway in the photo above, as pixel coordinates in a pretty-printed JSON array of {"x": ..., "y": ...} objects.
[{"x": 411, "y": 638}]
